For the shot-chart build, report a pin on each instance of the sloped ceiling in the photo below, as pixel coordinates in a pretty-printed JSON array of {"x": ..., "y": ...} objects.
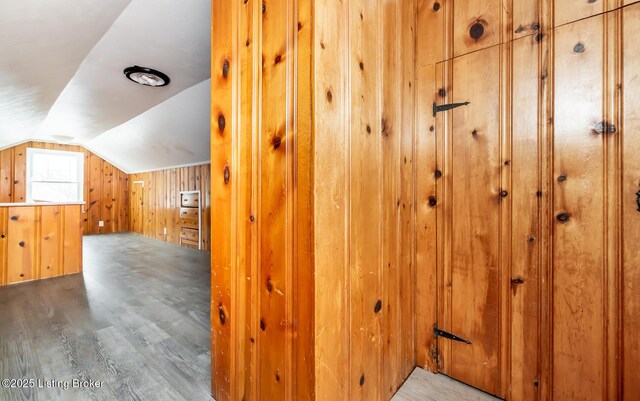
[{"x": 61, "y": 79}]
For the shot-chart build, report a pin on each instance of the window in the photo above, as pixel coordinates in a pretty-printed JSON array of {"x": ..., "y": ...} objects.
[{"x": 54, "y": 176}]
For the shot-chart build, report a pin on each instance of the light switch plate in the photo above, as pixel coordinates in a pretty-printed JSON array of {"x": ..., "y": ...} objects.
[{"x": 101, "y": 223}]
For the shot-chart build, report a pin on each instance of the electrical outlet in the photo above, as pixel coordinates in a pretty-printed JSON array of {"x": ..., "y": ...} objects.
[
  {"x": 165, "y": 231},
  {"x": 101, "y": 223}
]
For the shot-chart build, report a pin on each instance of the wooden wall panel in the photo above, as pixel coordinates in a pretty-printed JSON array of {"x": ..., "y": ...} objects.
[
  {"x": 22, "y": 247},
  {"x": 427, "y": 174},
  {"x": 340, "y": 248},
  {"x": 567, "y": 279},
  {"x": 106, "y": 188},
  {"x": 39, "y": 242},
  {"x": 631, "y": 205},
  {"x": 330, "y": 100},
  {"x": 51, "y": 241},
  {"x": 630, "y": 209},
  {"x": 525, "y": 224},
  {"x": 72, "y": 242},
  {"x": 275, "y": 142},
  {"x": 578, "y": 285},
  {"x": 478, "y": 25},
  {"x": 155, "y": 202},
  {"x": 6, "y": 175},
  {"x": 4, "y": 244}
]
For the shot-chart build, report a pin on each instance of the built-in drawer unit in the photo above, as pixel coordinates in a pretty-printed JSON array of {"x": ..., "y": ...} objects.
[
  {"x": 189, "y": 213},
  {"x": 190, "y": 199},
  {"x": 189, "y": 234},
  {"x": 190, "y": 219}
]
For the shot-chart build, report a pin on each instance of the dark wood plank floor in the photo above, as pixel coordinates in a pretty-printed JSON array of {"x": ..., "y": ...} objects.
[{"x": 137, "y": 319}]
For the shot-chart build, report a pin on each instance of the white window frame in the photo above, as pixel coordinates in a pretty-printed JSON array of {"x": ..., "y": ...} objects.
[{"x": 80, "y": 156}]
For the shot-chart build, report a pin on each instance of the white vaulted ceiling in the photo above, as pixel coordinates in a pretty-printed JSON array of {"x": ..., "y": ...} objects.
[{"x": 61, "y": 78}]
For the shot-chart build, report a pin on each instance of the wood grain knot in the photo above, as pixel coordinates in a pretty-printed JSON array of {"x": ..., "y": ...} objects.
[
  {"x": 535, "y": 26},
  {"x": 378, "y": 306},
  {"x": 329, "y": 96},
  {"x": 539, "y": 37},
  {"x": 277, "y": 377},
  {"x": 442, "y": 92},
  {"x": 269, "y": 285},
  {"x": 227, "y": 174},
  {"x": 438, "y": 174},
  {"x": 476, "y": 31},
  {"x": 368, "y": 129},
  {"x": 252, "y": 218},
  {"x": 22, "y": 244},
  {"x": 433, "y": 201},
  {"x": 2, "y": 236},
  {"x": 264, "y": 8},
  {"x": 263, "y": 325},
  {"x": 362, "y": 380},
  {"x": 578, "y": 48},
  {"x": 278, "y": 59},
  {"x": 222, "y": 315},
  {"x": 225, "y": 68},
  {"x": 15, "y": 218},
  {"x": 436, "y": 6},
  {"x": 562, "y": 178},
  {"x": 222, "y": 123},
  {"x": 563, "y": 217},
  {"x": 276, "y": 142},
  {"x": 504, "y": 194}
]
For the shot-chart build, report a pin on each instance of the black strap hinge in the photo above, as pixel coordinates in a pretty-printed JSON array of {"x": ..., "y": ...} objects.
[
  {"x": 445, "y": 107},
  {"x": 441, "y": 333}
]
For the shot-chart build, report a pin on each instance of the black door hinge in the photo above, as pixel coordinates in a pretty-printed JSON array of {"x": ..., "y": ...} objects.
[
  {"x": 445, "y": 107},
  {"x": 441, "y": 333}
]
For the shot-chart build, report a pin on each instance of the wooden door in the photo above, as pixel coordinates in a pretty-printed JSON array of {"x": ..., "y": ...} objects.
[
  {"x": 469, "y": 221},
  {"x": 137, "y": 207}
]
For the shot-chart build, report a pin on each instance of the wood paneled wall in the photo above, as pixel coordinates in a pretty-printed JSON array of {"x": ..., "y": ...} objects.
[
  {"x": 365, "y": 144},
  {"x": 527, "y": 196},
  {"x": 313, "y": 194},
  {"x": 262, "y": 273},
  {"x": 39, "y": 242},
  {"x": 106, "y": 188},
  {"x": 155, "y": 202}
]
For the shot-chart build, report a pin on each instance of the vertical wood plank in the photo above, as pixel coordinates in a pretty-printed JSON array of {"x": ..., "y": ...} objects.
[
  {"x": 4, "y": 244},
  {"x": 21, "y": 249},
  {"x": 578, "y": 294},
  {"x": 392, "y": 136},
  {"x": 20, "y": 173},
  {"x": 332, "y": 367},
  {"x": 72, "y": 242},
  {"x": 223, "y": 54},
  {"x": 6, "y": 175},
  {"x": 525, "y": 223},
  {"x": 407, "y": 23},
  {"x": 50, "y": 238},
  {"x": 366, "y": 291},
  {"x": 630, "y": 149},
  {"x": 475, "y": 242},
  {"x": 427, "y": 172}
]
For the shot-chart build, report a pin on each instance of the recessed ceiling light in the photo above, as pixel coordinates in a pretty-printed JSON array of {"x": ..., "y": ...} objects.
[{"x": 146, "y": 76}]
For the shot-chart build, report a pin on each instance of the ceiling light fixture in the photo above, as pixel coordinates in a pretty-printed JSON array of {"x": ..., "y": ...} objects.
[{"x": 146, "y": 76}]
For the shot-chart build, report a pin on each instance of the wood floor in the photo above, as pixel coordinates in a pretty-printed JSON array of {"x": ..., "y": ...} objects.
[
  {"x": 137, "y": 319},
  {"x": 425, "y": 386}
]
